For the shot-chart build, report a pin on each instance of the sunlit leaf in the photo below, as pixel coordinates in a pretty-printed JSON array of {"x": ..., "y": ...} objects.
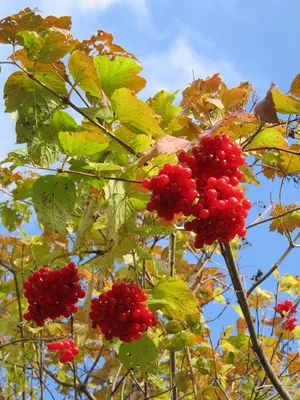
[
  {"x": 161, "y": 103},
  {"x": 82, "y": 143},
  {"x": 181, "y": 300},
  {"x": 285, "y": 104},
  {"x": 134, "y": 113},
  {"x": 288, "y": 222},
  {"x": 122, "y": 72},
  {"x": 84, "y": 73}
]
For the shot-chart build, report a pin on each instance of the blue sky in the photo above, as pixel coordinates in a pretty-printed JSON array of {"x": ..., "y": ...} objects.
[{"x": 253, "y": 41}]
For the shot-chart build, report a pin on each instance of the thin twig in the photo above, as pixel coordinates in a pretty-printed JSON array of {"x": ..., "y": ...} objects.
[
  {"x": 172, "y": 257},
  {"x": 96, "y": 176}
]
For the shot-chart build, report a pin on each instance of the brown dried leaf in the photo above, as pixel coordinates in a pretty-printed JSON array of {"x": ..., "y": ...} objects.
[
  {"x": 265, "y": 109},
  {"x": 102, "y": 43},
  {"x": 198, "y": 88},
  {"x": 241, "y": 325}
]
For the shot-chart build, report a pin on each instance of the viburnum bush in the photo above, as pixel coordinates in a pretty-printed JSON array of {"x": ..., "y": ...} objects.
[{"x": 142, "y": 253}]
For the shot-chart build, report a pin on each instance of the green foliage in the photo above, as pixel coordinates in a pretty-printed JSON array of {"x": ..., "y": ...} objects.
[
  {"x": 140, "y": 354},
  {"x": 54, "y": 198}
]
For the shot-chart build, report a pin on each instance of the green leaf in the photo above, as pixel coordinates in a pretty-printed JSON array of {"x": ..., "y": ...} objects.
[
  {"x": 10, "y": 217},
  {"x": 178, "y": 341},
  {"x": 21, "y": 92},
  {"x": 173, "y": 327},
  {"x": 42, "y": 136},
  {"x": 82, "y": 143},
  {"x": 54, "y": 198},
  {"x": 140, "y": 199},
  {"x": 134, "y": 113},
  {"x": 86, "y": 222},
  {"x": 119, "y": 208},
  {"x": 270, "y": 137},
  {"x": 84, "y": 73},
  {"x": 158, "y": 264},
  {"x": 46, "y": 49},
  {"x": 181, "y": 300},
  {"x": 118, "y": 73},
  {"x": 204, "y": 365},
  {"x": 99, "y": 167},
  {"x": 139, "y": 143},
  {"x": 285, "y": 104},
  {"x": 239, "y": 341},
  {"x": 138, "y": 354},
  {"x": 162, "y": 105},
  {"x": 101, "y": 111}
]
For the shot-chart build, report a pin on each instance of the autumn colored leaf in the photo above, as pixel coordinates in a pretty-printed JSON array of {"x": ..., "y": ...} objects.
[
  {"x": 288, "y": 222},
  {"x": 290, "y": 163},
  {"x": 268, "y": 138},
  {"x": 102, "y": 43},
  {"x": 285, "y": 104},
  {"x": 234, "y": 97},
  {"x": 295, "y": 86},
  {"x": 84, "y": 73}
]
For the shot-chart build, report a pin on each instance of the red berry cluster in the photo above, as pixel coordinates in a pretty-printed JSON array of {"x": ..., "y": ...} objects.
[
  {"x": 173, "y": 191},
  {"x": 286, "y": 309},
  {"x": 52, "y": 293},
  {"x": 211, "y": 196},
  {"x": 67, "y": 350},
  {"x": 121, "y": 312}
]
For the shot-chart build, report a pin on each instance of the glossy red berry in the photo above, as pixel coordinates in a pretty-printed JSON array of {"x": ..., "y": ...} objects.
[
  {"x": 52, "y": 293},
  {"x": 121, "y": 312}
]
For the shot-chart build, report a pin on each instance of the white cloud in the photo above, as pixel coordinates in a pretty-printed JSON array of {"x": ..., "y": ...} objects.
[{"x": 173, "y": 69}]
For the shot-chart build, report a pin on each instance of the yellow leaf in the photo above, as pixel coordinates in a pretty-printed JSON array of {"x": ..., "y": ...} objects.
[
  {"x": 295, "y": 86},
  {"x": 285, "y": 104},
  {"x": 133, "y": 113},
  {"x": 288, "y": 222},
  {"x": 234, "y": 97},
  {"x": 268, "y": 138},
  {"x": 290, "y": 162},
  {"x": 84, "y": 73}
]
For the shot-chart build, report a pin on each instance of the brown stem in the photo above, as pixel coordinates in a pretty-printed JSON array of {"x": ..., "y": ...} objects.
[
  {"x": 191, "y": 372},
  {"x": 242, "y": 299},
  {"x": 172, "y": 257},
  {"x": 59, "y": 171}
]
